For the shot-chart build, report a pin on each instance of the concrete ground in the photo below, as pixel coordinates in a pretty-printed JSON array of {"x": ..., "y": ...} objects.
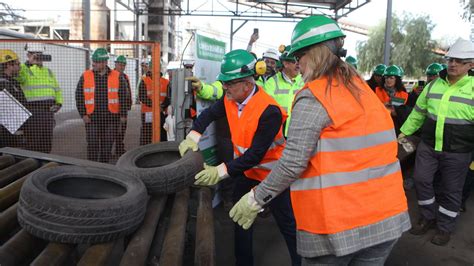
[{"x": 270, "y": 248}]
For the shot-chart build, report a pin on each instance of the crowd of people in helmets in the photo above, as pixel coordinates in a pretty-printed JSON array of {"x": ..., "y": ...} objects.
[
  {"x": 316, "y": 144},
  {"x": 330, "y": 176}
]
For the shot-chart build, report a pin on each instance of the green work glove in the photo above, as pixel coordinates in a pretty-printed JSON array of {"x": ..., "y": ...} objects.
[
  {"x": 245, "y": 210},
  {"x": 190, "y": 143},
  {"x": 211, "y": 175}
]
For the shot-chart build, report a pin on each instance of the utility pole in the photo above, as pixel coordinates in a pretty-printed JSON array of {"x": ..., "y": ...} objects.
[{"x": 388, "y": 34}]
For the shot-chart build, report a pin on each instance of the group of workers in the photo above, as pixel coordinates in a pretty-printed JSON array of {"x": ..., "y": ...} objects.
[
  {"x": 35, "y": 87},
  {"x": 103, "y": 99},
  {"x": 331, "y": 176}
]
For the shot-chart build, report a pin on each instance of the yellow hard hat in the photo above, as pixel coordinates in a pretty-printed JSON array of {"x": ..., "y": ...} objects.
[{"x": 7, "y": 55}]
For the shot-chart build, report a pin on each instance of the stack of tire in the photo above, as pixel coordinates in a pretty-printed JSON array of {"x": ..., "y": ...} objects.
[{"x": 72, "y": 204}]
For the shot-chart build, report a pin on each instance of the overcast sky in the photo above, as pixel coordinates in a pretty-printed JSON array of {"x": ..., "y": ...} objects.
[{"x": 445, "y": 14}]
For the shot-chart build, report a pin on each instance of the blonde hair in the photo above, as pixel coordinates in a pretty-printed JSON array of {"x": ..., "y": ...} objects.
[{"x": 322, "y": 62}]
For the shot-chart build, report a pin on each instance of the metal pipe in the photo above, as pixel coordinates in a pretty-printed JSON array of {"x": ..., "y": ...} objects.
[
  {"x": 6, "y": 160},
  {"x": 173, "y": 246},
  {"x": 10, "y": 193},
  {"x": 139, "y": 246},
  {"x": 55, "y": 254},
  {"x": 204, "y": 253},
  {"x": 388, "y": 34},
  {"x": 17, "y": 170},
  {"x": 97, "y": 254},
  {"x": 20, "y": 248},
  {"x": 8, "y": 221}
]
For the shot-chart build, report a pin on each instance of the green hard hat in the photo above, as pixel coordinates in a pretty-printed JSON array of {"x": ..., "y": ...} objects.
[
  {"x": 285, "y": 55},
  {"x": 393, "y": 70},
  {"x": 379, "y": 69},
  {"x": 402, "y": 71},
  {"x": 433, "y": 69},
  {"x": 99, "y": 55},
  {"x": 313, "y": 30},
  {"x": 352, "y": 61},
  {"x": 237, "y": 64},
  {"x": 121, "y": 59}
]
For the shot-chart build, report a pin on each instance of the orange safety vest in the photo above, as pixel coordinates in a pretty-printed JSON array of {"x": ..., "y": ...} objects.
[
  {"x": 385, "y": 98},
  {"x": 243, "y": 129},
  {"x": 149, "y": 91},
  {"x": 354, "y": 178},
  {"x": 163, "y": 88},
  {"x": 113, "y": 84}
]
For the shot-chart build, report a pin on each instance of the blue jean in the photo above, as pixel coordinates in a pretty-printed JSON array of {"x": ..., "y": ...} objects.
[
  {"x": 371, "y": 256},
  {"x": 281, "y": 210}
]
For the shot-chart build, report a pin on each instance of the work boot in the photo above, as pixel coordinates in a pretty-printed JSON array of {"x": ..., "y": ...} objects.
[
  {"x": 441, "y": 238},
  {"x": 422, "y": 226}
]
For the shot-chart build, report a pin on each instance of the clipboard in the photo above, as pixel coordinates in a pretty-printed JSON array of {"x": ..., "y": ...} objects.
[{"x": 12, "y": 113}]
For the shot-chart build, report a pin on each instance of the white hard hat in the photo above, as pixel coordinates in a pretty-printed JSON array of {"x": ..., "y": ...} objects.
[
  {"x": 35, "y": 47},
  {"x": 271, "y": 53},
  {"x": 461, "y": 49}
]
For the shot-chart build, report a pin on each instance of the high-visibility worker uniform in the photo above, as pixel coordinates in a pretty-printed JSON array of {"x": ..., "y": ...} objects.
[
  {"x": 211, "y": 91},
  {"x": 399, "y": 97},
  {"x": 145, "y": 97},
  {"x": 103, "y": 98},
  {"x": 112, "y": 92},
  {"x": 243, "y": 129},
  {"x": 256, "y": 118},
  {"x": 42, "y": 92},
  {"x": 354, "y": 178},
  {"x": 120, "y": 133},
  {"x": 445, "y": 114},
  {"x": 283, "y": 90}
]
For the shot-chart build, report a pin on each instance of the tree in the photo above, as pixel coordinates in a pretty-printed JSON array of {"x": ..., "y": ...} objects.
[
  {"x": 468, "y": 8},
  {"x": 411, "y": 46}
]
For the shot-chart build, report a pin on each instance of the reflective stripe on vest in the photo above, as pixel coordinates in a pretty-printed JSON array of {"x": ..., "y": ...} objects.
[
  {"x": 450, "y": 104},
  {"x": 39, "y": 84},
  {"x": 354, "y": 177},
  {"x": 163, "y": 88},
  {"x": 347, "y": 178},
  {"x": 113, "y": 83},
  {"x": 243, "y": 129}
]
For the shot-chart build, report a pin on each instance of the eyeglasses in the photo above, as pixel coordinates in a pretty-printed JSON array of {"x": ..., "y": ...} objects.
[{"x": 458, "y": 60}]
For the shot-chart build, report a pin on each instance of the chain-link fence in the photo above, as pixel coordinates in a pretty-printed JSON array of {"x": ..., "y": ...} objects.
[{"x": 84, "y": 99}]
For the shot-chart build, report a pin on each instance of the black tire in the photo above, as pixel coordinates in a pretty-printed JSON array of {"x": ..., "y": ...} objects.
[
  {"x": 161, "y": 168},
  {"x": 72, "y": 204}
]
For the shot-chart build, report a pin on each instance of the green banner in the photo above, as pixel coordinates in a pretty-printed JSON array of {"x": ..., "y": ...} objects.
[{"x": 209, "y": 49}]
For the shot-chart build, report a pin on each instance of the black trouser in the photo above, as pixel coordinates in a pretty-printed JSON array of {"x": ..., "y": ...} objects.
[
  {"x": 282, "y": 211},
  {"x": 100, "y": 137},
  {"x": 10, "y": 140},
  {"x": 469, "y": 183},
  {"x": 39, "y": 131},
  {"x": 119, "y": 137},
  {"x": 453, "y": 169},
  {"x": 146, "y": 131}
]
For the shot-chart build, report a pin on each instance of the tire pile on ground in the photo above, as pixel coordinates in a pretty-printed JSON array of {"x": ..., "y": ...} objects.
[{"x": 72, "y": 204}]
